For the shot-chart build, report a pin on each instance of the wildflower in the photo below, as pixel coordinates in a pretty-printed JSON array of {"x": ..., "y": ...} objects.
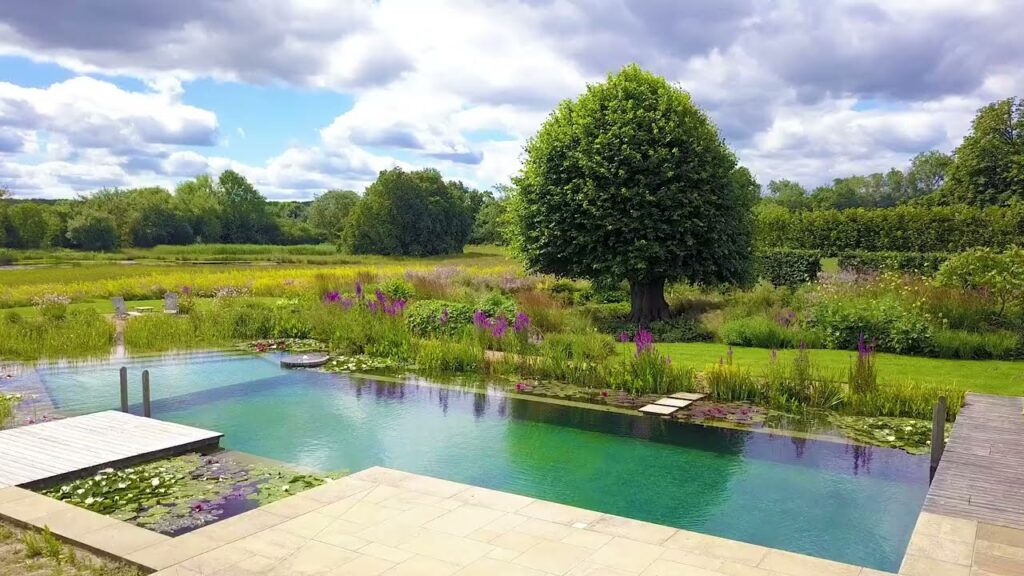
[
  {"x": 480, "y": 319},
  {"x": 359, "y": 290},
  {"x": 644, "y": 341},
  {"x": 186, "y": 290},
  {"x": 331, "y": 297},
  {"x": 399, "y": 305},
  {"x": 443, "y": 320},
  {"x": 372, "y": 305},
  {"x": 519, "y": 387},
  {"x": 346, "y": 304},
  {"x": 379, "y": 296},
  {"x": 521, "y": 323},
  {"x": 623, "y": 336},
  {"x": 499, "y": 327}
]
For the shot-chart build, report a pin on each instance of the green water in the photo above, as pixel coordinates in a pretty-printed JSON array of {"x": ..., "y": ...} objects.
[{"x": 847, "y": 503}]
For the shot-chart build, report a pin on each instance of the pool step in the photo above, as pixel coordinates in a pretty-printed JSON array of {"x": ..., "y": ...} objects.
[
  {"x": 668, "y": 405},
  {"x": 693, "y": 396},
  {"x": 675, "y": 402},
  {"x": 658, "y": 409}
]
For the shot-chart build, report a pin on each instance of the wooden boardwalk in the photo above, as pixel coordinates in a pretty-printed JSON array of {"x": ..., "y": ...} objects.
[
  {"x": 981, "y": 475},
  {"x": 52, "y": 451}
]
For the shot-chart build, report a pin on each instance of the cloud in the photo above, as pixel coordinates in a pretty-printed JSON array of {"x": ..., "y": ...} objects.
[{"x": 462, "y": 84}]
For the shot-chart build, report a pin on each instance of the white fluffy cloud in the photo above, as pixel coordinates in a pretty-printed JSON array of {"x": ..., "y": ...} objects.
[{"x": 801, "y": 89}]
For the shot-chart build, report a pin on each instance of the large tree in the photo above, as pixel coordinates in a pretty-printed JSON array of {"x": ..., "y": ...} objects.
[
  {"x": 197, "y": 202},
  {"x": 631, "y": 181},
  {"x": 330, "y": 210},
  {"x": 245, "y": 217},
  {"x": 410, "y": 214},
  {"x": 988, "y": 167}
]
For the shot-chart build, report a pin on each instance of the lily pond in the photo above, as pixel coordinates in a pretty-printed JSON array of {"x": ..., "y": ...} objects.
[{"x": 802, "y": 492}]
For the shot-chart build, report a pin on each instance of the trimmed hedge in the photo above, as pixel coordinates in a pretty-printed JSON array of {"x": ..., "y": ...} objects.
[
  {"x": 787, "y": 267},
  {"x": 905, "y": 228},
  {"x": 926, "y": 263}
]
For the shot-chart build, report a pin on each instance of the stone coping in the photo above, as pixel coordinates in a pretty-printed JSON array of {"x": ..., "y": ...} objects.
[
  {"x": 948, "y": 546},
  {"x": 383, "y": 521}
]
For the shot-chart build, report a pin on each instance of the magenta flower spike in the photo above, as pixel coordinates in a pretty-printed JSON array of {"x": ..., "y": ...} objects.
[
  {"x": 443, "y": 319},
  {"x": 359, "y": 290},
  {"x": 521, "y": 323},
  {"x": 499, "y": 327},
  {"x": 623, "y": 336}
]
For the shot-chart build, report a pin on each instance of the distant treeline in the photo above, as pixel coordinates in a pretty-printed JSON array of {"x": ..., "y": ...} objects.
[{"x": 229, "y": 209}]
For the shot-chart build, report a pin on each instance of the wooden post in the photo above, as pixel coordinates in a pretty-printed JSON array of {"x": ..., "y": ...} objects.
[
  {"x": 124, "y": 389},
  {"x": 938, "y": 435},
  {"x": 147, "y": 410}
]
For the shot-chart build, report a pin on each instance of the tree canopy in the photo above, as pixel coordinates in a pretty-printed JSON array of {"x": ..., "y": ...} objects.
[
  {"x": 411, "y": 214},
  {"x": 631, "y": 181},
  {"x": 988, "y": 167},
  {"x": 330, "y": 210}
]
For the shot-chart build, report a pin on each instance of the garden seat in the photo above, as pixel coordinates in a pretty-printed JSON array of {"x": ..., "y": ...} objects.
[{"x": 171, "y": 303}]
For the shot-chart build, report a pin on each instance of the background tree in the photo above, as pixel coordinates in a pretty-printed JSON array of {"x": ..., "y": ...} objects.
[
  {"x": 988, "y": 167},
  {"x": 410, "y": 214},
  {"x": 788, "y": 194},
  {"x": 245, "y": 218},
  {"x": 330, "y": 210},
  {"x": 631, "y": 181},
  {"x": 4, "y": 195},
  {"x": 197, "y": 202},
  {"x": 927, "y": 173},
  {"x": 91, "y": 229},
  {"x": 152, "y": 219},
  {"x": 30, "y": 226}
]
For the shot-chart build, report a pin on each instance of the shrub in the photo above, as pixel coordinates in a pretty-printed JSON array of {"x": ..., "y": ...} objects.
[
  {"x": 449, "y": 356},
  {"x": 567, "y": 291},
  {"x": 497, "y": 304},
  {"x": 999, "y": 274},
  {"x": 965, "y": 345},
  {"x": 784, "y": 267},
  {"x": 923, "y": 263},
  {"x": 7, "y": 257},
  {"x": 763, "y": 332},
  {"x": 426, "y": 318},
  {"x": 886, "y": 322},
  {"x": 397, "y": 289}
]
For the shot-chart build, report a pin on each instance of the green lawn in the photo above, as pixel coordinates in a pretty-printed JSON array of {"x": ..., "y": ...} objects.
[{"x": 989, "y": 376}]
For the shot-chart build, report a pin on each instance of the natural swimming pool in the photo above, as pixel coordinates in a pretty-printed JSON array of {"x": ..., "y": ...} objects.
[{"x": 848, "y": 503}]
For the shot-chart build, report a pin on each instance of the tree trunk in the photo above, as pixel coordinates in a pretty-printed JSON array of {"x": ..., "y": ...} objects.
[{"x": 648, "y": 302}]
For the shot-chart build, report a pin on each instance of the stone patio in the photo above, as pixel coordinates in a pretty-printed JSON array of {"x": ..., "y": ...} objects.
[{"x": 382, "y": 521}]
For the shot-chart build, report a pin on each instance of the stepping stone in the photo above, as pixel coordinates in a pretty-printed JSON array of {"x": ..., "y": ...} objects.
[
  {"x": 658, "y": 409},
  {"x": 674, "y": 402},
  {"x": 692, "y": 396}
]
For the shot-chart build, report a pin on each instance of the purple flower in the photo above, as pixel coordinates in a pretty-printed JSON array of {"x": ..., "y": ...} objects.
[
  {"x": 372, "y": 305},
  {"x": 522, "y": 322},
  {"x": 379, "y": 296},
  {"x": 399, "y": 305},
  {"x": 623, "y": 336},
  {"x": 499, "y": 327},
  {"x": 359, "y": 290},
  {"x": 480, "y": 319},
  {"x": 443, "y": 319},
  {"x": 331, "y": 297},
  {"x": 347, "y": 303},
  {"x": 644, "y": 341}
]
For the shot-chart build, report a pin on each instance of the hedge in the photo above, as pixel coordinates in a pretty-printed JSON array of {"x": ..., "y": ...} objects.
[
  {"x": 924, "y": 263},
  {"x": 899, "y": 229},
  {"x": 787, "y": 267}
]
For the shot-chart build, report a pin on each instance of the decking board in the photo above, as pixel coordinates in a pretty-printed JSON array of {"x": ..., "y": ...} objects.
[
  {"x": 981, "y": 475},
  {"x": 52, "y": 451}
]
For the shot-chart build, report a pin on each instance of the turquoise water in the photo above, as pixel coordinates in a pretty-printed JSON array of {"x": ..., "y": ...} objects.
[{"x": 847, "y": 503}]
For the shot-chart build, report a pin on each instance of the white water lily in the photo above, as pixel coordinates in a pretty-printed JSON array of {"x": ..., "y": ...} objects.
[{"x": 89, "y": 500}]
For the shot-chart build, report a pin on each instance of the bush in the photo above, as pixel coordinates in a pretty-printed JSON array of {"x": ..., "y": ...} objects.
[
  {"x": 784, "y": 267},
  {"x": 885, "y": 322},
  {"x": 567, "y": 291},
  {"x": 763, "y": 332},
  {"x": 497, "y": 304},
  {"x": 397, "y": 289},
  {"x": 7, "y": 257},
  {"x": 923, "y": 263},
  {"x": 976, "y": 346},
  {"x": 425, "y": 318},
  {"x": 1000, "y": 275}
]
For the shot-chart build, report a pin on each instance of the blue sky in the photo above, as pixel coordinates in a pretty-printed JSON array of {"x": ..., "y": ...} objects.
[{"x": 305, "y": 96}]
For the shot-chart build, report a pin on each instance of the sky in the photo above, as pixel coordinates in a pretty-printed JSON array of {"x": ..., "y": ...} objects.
[{"x": 302, "y": 96}]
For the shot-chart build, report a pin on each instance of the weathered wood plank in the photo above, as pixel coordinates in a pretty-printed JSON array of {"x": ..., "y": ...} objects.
[
  {"x": 51, "y": 451},
  {"x": 981, "y": 475}
]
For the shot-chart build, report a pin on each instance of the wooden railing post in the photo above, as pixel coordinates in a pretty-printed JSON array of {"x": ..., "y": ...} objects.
[
  {"x": 938, "y": 435},
  {"x": 124, "y": 389},
  {"x": 147, "y": 410}
]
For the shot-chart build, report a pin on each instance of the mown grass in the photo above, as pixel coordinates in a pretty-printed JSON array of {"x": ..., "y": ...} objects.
[{"x": 987, "y": 376}]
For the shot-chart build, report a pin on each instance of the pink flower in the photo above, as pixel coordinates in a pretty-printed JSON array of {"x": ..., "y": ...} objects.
[
  {"x": 623, "y": 336},
  {"x": 522, "y": 322}
]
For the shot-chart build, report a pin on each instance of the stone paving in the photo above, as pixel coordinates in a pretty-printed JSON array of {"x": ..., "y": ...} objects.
[
  {"x": 948, "y": 546},
  {"x": 383, "y": 521}
]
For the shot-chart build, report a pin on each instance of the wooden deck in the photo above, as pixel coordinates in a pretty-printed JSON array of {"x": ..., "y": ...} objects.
[
  {"x": 52, "y": 451},
  {"x": 981, "y": 475}
]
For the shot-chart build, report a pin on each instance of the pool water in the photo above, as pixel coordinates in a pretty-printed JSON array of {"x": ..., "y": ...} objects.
[{"x": 848, "y": 503}]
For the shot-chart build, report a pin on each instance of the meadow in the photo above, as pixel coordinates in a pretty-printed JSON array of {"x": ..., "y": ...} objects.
[{"x": 478, "y": 315}]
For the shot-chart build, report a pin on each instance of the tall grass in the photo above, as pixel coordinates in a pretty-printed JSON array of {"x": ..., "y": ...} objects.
[
  {"x": 449, "y": 356},
  {"x": 78, "y": 334}
]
